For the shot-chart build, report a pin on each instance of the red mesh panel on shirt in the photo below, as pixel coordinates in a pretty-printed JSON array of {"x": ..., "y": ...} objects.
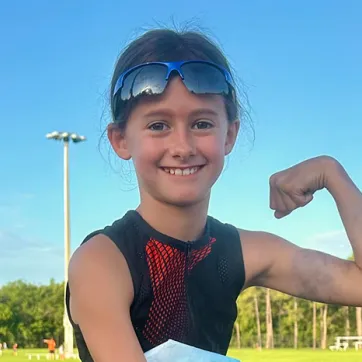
[
  {"x": 200, "y": 254},
  {"x": 167, "y": 317}
]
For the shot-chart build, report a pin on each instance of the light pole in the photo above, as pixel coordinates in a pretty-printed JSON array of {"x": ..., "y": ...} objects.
[{"x": 66, "y": 137}]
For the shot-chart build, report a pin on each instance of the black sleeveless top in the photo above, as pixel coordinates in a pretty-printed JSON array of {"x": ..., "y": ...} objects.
[{"x": 185, "y": 291}]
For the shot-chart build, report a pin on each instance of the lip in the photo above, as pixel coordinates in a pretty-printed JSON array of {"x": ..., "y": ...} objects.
[{"x": 183, "y": 167}]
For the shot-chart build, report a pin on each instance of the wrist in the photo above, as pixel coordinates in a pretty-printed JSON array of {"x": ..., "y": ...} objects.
[{"x": 335, "y": 175}]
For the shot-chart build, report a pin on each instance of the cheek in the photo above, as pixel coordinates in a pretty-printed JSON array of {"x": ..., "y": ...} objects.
[
  {"x": 213, "y": 149},
  {"x": 146, "y": 152}
]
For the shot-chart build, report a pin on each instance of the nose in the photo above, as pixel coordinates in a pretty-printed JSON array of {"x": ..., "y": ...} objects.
[{"x": 182, "y": 145}]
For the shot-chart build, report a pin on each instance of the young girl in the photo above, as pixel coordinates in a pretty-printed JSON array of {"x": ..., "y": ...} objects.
[{"x": 168, "y": 270}]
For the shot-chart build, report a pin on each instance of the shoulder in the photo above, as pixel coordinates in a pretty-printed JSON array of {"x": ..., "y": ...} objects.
[
  {"x": 118, "y": 230},
  {"x": 223, "y": 230},
  {"x": 117, "y": 248},
  {"x": 98, "y": 268},
  {"x": 103, "y": 261},
  {"x": 106, "y": 248},
  {"x": 96, "y": 261},
  {"x": 99, "y": 301},
  {"x": 122, "y": 235},
  {"x": 95, "y": 249},
  {"x": 99, "y": 251},
  {"x": 255, "y": 255}
]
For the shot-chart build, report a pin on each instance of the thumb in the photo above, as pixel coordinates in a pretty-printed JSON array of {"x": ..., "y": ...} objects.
[
  {"x": 306, "y": 199},
  {"x": 302, "y": 199}
]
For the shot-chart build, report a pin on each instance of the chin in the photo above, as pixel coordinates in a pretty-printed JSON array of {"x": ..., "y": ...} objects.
[{"x": 184, "y": 200}]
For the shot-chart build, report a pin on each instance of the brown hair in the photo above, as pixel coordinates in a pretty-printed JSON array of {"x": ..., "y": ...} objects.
[{"x": 170, "y": 45}]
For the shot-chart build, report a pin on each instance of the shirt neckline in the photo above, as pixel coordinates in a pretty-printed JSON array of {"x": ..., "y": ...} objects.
[{"x": 151, "y": 232}]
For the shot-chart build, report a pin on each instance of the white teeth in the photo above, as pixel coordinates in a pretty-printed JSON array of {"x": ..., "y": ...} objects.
[{"x": 183, "y": 172}]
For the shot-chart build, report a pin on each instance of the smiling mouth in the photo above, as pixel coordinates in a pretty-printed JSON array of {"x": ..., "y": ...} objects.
[{"x": 182, "y": 171}]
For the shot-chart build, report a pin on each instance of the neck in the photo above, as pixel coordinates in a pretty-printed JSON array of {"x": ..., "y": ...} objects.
[{"x": 182, "y": 223}]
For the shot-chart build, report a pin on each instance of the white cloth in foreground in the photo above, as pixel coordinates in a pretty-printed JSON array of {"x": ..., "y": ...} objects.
[{"x": 172, "y": 351}]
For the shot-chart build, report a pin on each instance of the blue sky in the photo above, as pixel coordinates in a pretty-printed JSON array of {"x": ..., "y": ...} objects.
[{"x": 300, "y": 62}]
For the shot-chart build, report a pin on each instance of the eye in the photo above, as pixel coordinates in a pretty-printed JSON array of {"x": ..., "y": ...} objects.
[
  {"x": 203, "y": 125},
  {"x": 158, "y": 126}
]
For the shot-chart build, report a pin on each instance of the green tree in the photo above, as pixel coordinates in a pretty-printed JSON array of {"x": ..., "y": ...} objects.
[{"x": 29, "y": 313}]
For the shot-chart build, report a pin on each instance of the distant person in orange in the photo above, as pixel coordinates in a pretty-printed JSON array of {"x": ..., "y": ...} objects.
[
  {"x": 51, "y": 347},
  {"x": 15, "y": 349}
]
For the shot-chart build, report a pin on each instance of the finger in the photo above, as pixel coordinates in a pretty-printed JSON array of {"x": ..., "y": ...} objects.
[
  {"x": 302, "y": 200},
  {"x": 272, "y": 199},
  {"x": 280, "y": 215},
  {"x": 279, "y": 200},
  {"x": 275, "y": 201},
  {"x": 286, "y": 206},
  {"x": 282, "y": 204},
  {"x": 289, "y": 203}
]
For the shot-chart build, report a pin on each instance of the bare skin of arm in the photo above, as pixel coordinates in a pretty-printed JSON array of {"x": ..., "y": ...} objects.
[
  {"x": 101, "y": 295},
  {"x": 272, "y": 262}
]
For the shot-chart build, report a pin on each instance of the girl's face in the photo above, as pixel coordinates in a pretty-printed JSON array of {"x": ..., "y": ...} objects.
[{"x": 178, "y": 143}]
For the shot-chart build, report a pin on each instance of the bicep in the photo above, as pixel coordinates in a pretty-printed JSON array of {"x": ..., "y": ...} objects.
[
  {"x": 101, "y": 293},
  {"x": 280, "y": 265}
]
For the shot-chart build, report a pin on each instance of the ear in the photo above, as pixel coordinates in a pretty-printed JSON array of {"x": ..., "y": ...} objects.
[
  {"x": 117, "y": 139},
  {"x": 232, "y": 132}
]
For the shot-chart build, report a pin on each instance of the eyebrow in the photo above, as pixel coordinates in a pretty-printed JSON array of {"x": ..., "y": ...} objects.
[{"x": 169, "y": 112}]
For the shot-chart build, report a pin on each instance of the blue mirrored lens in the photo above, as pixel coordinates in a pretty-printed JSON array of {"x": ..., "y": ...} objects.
[
  {"x": 146, "y": 80},
  {"x": 202, "y": 78}
]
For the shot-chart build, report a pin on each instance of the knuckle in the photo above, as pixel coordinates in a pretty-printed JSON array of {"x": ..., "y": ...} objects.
[
  {"x": 273, "y": 179},
  {"x": 277, "y": 180}
]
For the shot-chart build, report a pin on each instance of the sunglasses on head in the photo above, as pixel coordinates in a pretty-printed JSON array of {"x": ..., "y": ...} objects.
[{"x": 199, "y": 76}]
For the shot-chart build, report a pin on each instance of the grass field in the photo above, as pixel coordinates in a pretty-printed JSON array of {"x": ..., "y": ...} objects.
[
  {"x": 304, "y": 355},
  {"x": 244, "y": 355}
]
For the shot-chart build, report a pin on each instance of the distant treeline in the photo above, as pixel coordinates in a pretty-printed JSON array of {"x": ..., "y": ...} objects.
[
  {"x": 272, "y": 319},
  {"x": 29, "y": 313}
]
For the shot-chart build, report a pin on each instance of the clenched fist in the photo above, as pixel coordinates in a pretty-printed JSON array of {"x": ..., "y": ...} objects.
[{"x": 294, "y": 187}]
